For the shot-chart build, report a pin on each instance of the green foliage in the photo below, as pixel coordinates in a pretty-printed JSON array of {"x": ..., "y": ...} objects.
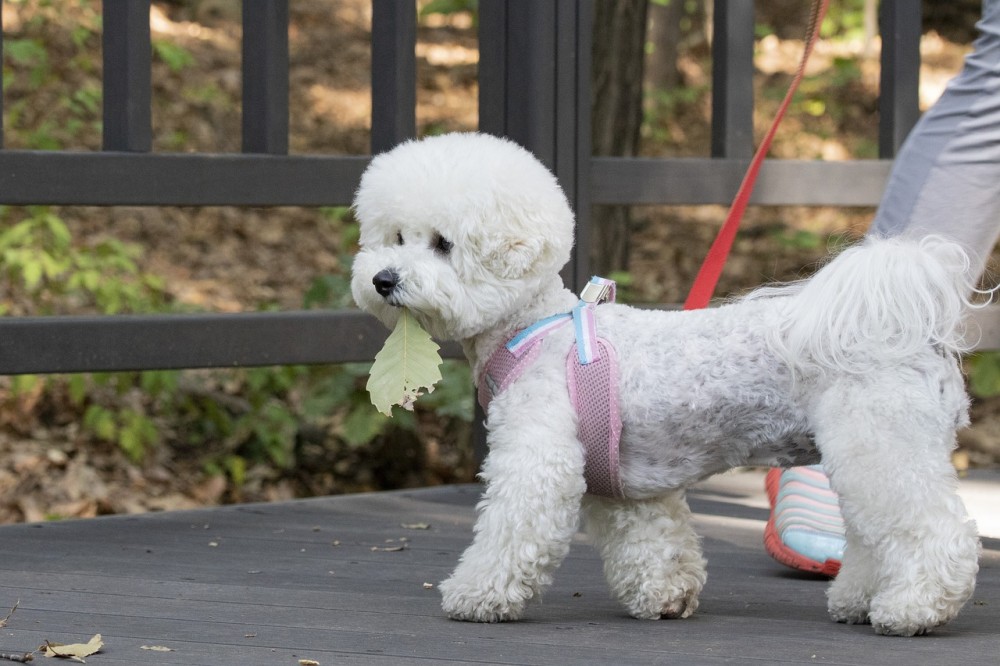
[
  {"x": 661, "y": 107},
  {"x": 797, "y": 239},
  {"x": 29, "y": 54},
  {"x": 450, "y": 7},
  {"x": 43, "y": 266},
  {"x": 983, "y": 370},
  {"x": 50, "y": 122},
  {"x": 844, "y": 18},
  {"x": 334, "y": 290},
  {"x": 624, "y": 281},
  {"x": 453, "y": 397},
  {"x": 176, "y": 57},
  {"x": 133, "y": 431}
]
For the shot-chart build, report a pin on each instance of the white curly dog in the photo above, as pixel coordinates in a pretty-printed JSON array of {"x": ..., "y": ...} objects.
[{"x": 857, "y": 366}]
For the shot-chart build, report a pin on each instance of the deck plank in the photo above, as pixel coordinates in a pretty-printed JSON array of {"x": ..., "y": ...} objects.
[{"x": 274, "y": 583}]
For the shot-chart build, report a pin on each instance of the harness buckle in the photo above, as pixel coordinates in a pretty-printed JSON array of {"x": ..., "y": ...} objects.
[{"x": 597, "y": 290}]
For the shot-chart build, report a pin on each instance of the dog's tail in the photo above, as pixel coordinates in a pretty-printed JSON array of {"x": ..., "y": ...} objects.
[{"x": 877, "y": 303}]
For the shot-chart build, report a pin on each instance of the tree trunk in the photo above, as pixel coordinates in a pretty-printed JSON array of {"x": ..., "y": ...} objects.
[
  {"x": 663, "y": 36},
  {"x": 619, "y": 50}
]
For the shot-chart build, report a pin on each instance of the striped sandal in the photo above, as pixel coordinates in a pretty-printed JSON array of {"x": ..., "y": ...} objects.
[{"x": 805, "y": 530}]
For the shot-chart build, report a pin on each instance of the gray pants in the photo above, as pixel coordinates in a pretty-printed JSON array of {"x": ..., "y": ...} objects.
[{"x": 946, "y": 178}]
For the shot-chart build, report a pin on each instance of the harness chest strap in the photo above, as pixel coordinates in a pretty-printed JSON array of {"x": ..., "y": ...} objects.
[{"x": 591, "y": 377}]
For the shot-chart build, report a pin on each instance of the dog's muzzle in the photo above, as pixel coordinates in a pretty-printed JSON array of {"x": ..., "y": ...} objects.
[{"x": 385, "y": 282}]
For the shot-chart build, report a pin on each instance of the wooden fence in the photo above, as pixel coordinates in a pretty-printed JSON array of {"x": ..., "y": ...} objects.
[{"x": 534, "y": 87}]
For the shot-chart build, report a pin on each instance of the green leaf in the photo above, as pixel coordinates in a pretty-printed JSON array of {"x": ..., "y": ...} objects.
[
  {"x": 984, "y": 374},
  {"x": 101, "y": 422},
  {"x": 26, "y": 52},
  {"x": 76, "y": 386},
  {"x": 177, "y": 57},
  {"x": 362, "y": 425},
  {"x": 408, "y": 361},
  {"x": 32, "y": 273}
]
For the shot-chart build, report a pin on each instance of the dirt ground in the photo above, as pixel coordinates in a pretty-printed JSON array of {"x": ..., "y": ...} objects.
[{"x": 228, "y": 260}]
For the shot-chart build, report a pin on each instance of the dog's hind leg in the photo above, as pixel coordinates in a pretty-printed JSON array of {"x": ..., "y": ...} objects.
[
  {"x": 652, "y": 557},
  {"x": 912, "y": 552},
  {"x": 526, "y": 520}
]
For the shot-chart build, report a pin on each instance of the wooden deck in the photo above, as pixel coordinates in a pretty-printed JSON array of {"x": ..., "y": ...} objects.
[{"x": 343, "y": 580}]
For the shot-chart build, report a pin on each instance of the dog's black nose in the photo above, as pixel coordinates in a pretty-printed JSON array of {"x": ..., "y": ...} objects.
[{"x": 385, "y": 281}]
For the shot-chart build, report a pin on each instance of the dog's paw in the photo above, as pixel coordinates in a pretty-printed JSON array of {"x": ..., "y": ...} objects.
[
  {"x": 678, "y": 609},
  {"x": 929, "y": 588},
  {"x": 479, "y": 602},
  {"x": 672, "y": 598},
  {"x": 913, "y": 612},
  {"x": 848, "y": 614},
  {"x": 848, "y": 604},
  {"x": 896, "y": 622}
]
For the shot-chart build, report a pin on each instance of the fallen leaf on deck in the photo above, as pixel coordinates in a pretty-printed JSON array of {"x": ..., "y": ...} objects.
[
  {"x": 308, "y": 662},
  {"x": 388, "y": 549},
  {"x": 415, "y": 526},
  {"x": 156, "y": 648},
  {"x": 74, "y": 651}
]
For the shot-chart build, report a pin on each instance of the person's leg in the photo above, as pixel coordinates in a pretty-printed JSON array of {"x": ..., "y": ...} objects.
[{"x": 945, "y": 181}]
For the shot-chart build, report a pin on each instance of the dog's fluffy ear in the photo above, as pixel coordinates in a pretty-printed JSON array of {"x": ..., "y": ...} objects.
[{"x": 512, "y": 258}]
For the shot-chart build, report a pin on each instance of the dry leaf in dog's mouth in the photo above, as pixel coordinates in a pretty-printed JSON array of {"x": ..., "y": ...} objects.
[{"x": 408, "y": 362}]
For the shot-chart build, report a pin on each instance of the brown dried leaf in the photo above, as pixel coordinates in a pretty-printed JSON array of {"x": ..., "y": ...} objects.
[{"x": 74, "y": 651}]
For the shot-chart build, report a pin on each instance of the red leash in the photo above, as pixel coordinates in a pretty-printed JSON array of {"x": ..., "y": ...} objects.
[{"x": 711, "y": 268}]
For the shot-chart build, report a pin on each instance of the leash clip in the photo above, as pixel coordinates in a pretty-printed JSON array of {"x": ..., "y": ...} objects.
[{"x": 598, "y": 290}]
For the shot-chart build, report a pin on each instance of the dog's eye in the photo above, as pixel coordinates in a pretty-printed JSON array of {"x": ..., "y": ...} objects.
[
  {"x": 399, "y": 238},
  {"x": 442, "y": 244}
]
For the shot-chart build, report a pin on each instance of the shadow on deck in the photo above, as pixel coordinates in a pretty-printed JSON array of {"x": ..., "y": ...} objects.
[{"x": 344, "y": 580}]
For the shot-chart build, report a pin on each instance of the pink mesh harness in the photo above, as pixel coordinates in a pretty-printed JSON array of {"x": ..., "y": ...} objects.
[{"x": 591, "y": 376}]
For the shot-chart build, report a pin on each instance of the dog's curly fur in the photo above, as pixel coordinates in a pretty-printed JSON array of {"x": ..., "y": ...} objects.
[{"x": 857, "y": 366}]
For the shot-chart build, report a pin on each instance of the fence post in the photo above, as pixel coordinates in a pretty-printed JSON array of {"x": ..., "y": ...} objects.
[
  {"x": 127, "y": 61},
  {"x": 534, "y": 87},
  {"x": 899, "y": 85},
  {"x": 732, "y": 79},
  {"x": 394, "y": 73},
  {"x": 265, "y": 77},
  {"x": 1, "y": 86}
]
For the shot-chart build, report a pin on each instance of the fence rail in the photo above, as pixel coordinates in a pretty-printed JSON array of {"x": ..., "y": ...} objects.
[
  {"x": 176, "y": 179},
  {"x": 534, "y": 87}
]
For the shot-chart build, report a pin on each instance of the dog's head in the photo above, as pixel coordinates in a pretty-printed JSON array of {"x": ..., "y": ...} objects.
[{"x": 461, "y": 229}]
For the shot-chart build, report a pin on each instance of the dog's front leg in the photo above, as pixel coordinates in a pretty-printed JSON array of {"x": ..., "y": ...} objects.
[
  {"x": 652, "y": 557},
  {"x": 526, "y": 519}
]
